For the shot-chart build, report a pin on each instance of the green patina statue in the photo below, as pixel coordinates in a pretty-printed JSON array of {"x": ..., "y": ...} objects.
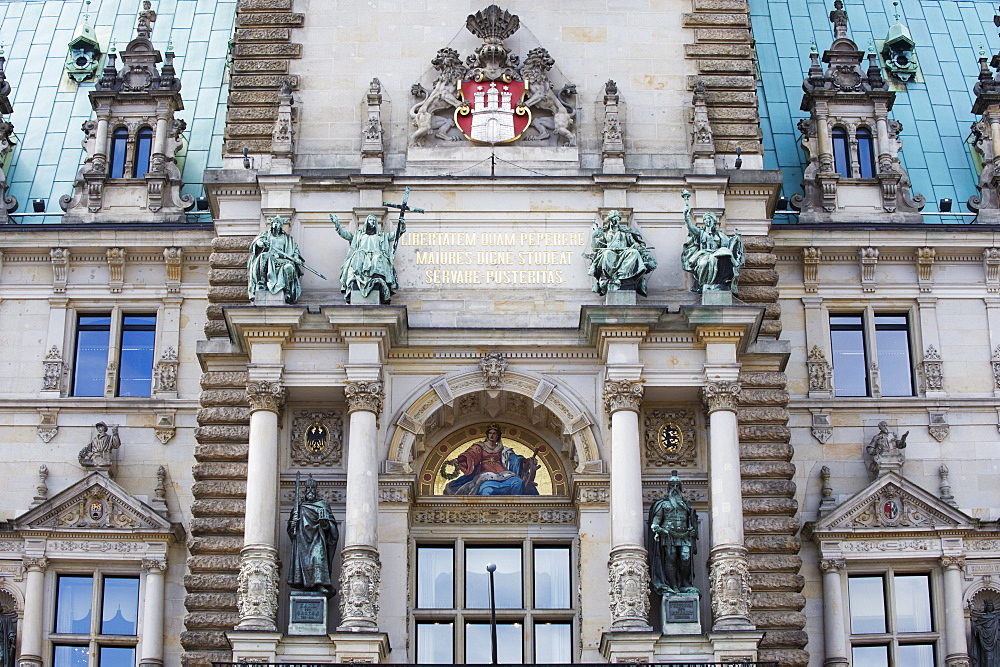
[
  {"x": 368, "y": 266},
  {"x": 275, "y": 263},
  {"x": 620, "y": 259},
  {"x": 314, "y": 535},
  {"x": 712, "y": 257},
  {"x": 673, "y": 530}
]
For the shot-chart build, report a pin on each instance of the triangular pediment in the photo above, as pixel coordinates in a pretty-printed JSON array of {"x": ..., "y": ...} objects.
[
  {"x": 891, "y": 501},
  {"x": 95, "y": 502}
]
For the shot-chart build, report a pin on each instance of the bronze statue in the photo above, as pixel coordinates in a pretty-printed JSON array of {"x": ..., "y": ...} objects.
[
  {"x": 620, "y": 259},
  {"x": 314, "y": 535},
  {"x": 368, "y": 266},
  {"x": 985, "y": 648},
  {"x": 99, "y": 452},
  {"x": 8, "y": 640},
  {"x": 275, "y": 263},
  {"x": 709, "y": 254},
  {"x": 673, "y": 530}
]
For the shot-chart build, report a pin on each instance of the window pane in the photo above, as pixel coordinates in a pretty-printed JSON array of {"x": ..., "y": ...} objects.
[
  {"x": 552, "y": 578},
  {"x": 119, "y": 141},
  {"x": 871, "y": 656},
  {"x": 143, "y": 147},
  {"x": 893, "y": 342},
  {"x": 70, "y": 656},
  {"x": 478, "y": 645},
  {"x": 866, "y": 153},
  {"x": 849, "y": 366},
  {"x": 553, "y": 643},
  {"x": 913, "y": 603},
  {"x": 91, "y": 354},
  {"x": 435, "y": 644},
  {"x": 435, "y": 577},
  {"x": 135, "y": 375},
  {"x": 841, "y": 160},
  {"x": 121, "y": 606},
  {"x": 867, "y": 605},
  {"x": 75, "y": 595},
  {"x": 917, "y": 655},
  {"x": 116, "y": 657},
  {"x": 507, "y": 577}
]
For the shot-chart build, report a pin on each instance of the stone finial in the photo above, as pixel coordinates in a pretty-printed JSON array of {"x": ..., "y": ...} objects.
[
  {"x": 42, "y": 489},
  {"x": 703, "y": 140},
  {"x": 372, "y": 146},
  {"x": 147, "y": 17},
  {"x": 945, "y": 488},
  {"x": 827, "y": 501},
  {"x": 612, "y": 141},
  {"x": 838, "y": 17},
  {"x": 159, "y": 500}
]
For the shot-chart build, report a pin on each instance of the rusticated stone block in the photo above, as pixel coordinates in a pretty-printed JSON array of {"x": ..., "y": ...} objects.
[
  {"x": 712, "y": 19},
  {"x": 723, "y": 114},
  {"x": 263, "y": 5},
  {"x": 205, "y": 658},
  {"x": 211, "y": 620},
  {"x": 210, "y": 582},
  {"x": 210, "y": 601},
  {"x": 768, "y": 487},
  {"x": 248, "y": 114},
  {"x": 238, "y": 244},
  {"x": 769, "y": 397},
  {"x": 263, "y": 35},
  {"x": 758, "y": 469},
  {"x": 215, "y": 311},
  {"x": 772, "y": 311},
  {"x": 772, "y": 379},
  {"x": 215, "y": 544},
  {"x": 730, "y": 98},
  {"x": 765, "y": 277},
  {"x": 758, "y": 293},
  {"x": 748, "y": 130},
  {"x": 772, "y": 544},
  {"x": 721, "y": 6},
  {"x": 218, "y": 488},
  {"x": 758, "y": 260},
  {"x": 213, "y": 563},
  {"x": 249, "y": 129},
  {"x": 758, "y": 525},
  {"x": 770, "y": 328},
  {"x": 764, "y": 433},
  {"x": 224, "y": 415},
  {"x": 262, "y": 81},
  {"x": 232, "y": 294},
  {"x": 221, "y": 451},
  {"x": 258, "y": 67},
  {"x": 717, "y": 49},
  {"x": 219, "y": 507},
  {"x": 224, "y": 379},
  {"x": 219, "y": 433},
  {"x": 252, "y": 97},
  {"x": 270, "y": 20},
  {"x": 236, "y": 146},
  {"x": 216, "y": 329},
  {"x": 765, "y": 450},
  {"x": 784, "y": 657},
  {"x": 739, "y": 35},
  {"x": 777, "y": 582},
  {"x": 767, "y": 619},
  {"x": 777, "y": 600},
  {"x": 724, "y": 66},
  {"x": 780, "y": 506},
  {"x": 213, "y": 470},
  {"x": 758, "y": 244},
  {"x": 237, "y": 276},
  {"x": 774, "y": 562},
  {"x": 217, "y": 397},
  {"x": 204, "y": 640},
  {"x": 267, "y": 50},
  {"x": 784, "y": 639},
  {"x": 763, "y": 415},
  {"x": 216, "y": 526}
]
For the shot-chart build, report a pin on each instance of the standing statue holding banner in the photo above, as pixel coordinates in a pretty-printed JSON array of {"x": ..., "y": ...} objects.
[
  {"x": 275, "y": 263},
  {"x": 314, "y": 536},
  {"x": 711, "y": 256}
]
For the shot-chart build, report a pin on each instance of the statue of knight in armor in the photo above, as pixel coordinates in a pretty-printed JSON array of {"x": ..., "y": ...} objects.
[{"x": 673, "y": 532}]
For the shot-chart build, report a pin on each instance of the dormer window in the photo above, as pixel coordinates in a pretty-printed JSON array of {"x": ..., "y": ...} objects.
[
  {"x": 143, "y": 148},
  {"x": 866, "y": 153},
  {"x": 841, "y": 152},
  {"x": 119, "y": 148}
]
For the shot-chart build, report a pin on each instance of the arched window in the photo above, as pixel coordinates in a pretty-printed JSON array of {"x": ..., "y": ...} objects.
[
  {"x": 119, "y": 144},
  {"x": 841, "y": 152},
  {"x": 143, "y": 148},
  {"x": 866, "y": 153}
]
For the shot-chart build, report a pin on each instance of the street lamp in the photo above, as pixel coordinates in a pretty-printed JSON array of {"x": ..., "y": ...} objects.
[{"x": 491, "y": 568}]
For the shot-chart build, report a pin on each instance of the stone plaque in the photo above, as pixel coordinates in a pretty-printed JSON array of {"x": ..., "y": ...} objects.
[
  {"x": 307, "y": 613},
  {"x": 681, "y": 610}
]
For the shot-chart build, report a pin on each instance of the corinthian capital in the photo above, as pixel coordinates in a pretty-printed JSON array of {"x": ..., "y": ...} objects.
[
  {"x": 366, "y": 396},
  {"x": 721, "y": 395},
  {"x": 622, "y": 395},
  {"x": 264, "y": 395}
]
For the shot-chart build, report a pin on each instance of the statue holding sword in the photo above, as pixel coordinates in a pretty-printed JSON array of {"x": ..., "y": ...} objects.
[{"x": 275, "y": 263}]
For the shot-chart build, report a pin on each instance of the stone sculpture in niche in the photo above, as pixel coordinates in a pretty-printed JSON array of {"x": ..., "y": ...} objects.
[
  {"x": 99, "y": 452},
  {"x": 711, "y": 256},
  {"x": 985, "y": 648},
  {"x": 620, "y": 258},
  {"x": 886, "y": 449},
  {"x": 314, "y": 535},
  {"x": 673, "y": 529},
  {"x": 490, "y": 468}
]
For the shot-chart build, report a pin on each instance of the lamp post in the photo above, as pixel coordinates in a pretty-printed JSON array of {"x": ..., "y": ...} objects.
[{"x": 491, "y": 568}]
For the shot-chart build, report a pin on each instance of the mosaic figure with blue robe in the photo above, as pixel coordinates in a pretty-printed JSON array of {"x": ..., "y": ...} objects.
[{"x": 490, "y": 468}]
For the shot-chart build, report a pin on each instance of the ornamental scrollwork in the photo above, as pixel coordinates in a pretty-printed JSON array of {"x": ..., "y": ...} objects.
[
  {"x": 257, "y": 589},
  {"x": 494, "y": 366},
  {"x": 628, "y": 582},
  {"x": 360, "y": 575},
  {"x": 833, "y": 564},
  {"x": 264, "y": 395},
  {"x": 721, "y": 395},
  {"x": 367, "y": 396},
  {"x": 730, "y": 577},
  {"x": 622, "y": 395}
]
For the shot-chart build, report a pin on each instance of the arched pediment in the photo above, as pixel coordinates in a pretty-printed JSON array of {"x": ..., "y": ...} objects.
[{"x": 569, "y": 419}]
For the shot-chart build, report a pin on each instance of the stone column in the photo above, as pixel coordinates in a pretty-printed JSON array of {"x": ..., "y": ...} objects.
[
  {"x": 257, "y": 584},
  {"x": 34, "y": 611},
  {"x": 628, "y": 569},
  {"x": 833, "y": 612},
  {"x": 361, "y": 570},
  {"x": 152, "y": 613},
  {"x": 956, "y": 645},
  {"x": 729, "y": 573}
]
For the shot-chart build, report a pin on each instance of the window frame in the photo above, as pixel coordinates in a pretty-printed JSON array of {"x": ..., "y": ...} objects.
[
  {"x": 866, "y": 158},
  {"x": 527, "y": 616},
  {"x": 116, "y": 331},
  {"x": 120, "y": 136},
  {"x": 891, "y": 638},
  {"x": 94, "y": 640},
  {"x": 140, "y": 161},
  {"x": 870, "y": 329},
  {"x": 839, "y": 134}
]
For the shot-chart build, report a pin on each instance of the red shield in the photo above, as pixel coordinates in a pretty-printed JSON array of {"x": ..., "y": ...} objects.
[{"x": 492, "y": 113}]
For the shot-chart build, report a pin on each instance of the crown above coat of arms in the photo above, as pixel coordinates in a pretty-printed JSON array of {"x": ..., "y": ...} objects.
[{"x": 491, "y": 97}]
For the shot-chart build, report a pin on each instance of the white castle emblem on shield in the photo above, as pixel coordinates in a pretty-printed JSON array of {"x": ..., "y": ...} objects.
[{"x": 492, "y": 114}]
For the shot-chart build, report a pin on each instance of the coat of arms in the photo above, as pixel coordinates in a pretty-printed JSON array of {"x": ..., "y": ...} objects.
[{"x": 492, "y": 97}]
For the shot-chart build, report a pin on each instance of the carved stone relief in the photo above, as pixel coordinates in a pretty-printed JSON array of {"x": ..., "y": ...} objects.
[
  {"x": 670, "y": 438},
  {"x": 317, "y": 437}
]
